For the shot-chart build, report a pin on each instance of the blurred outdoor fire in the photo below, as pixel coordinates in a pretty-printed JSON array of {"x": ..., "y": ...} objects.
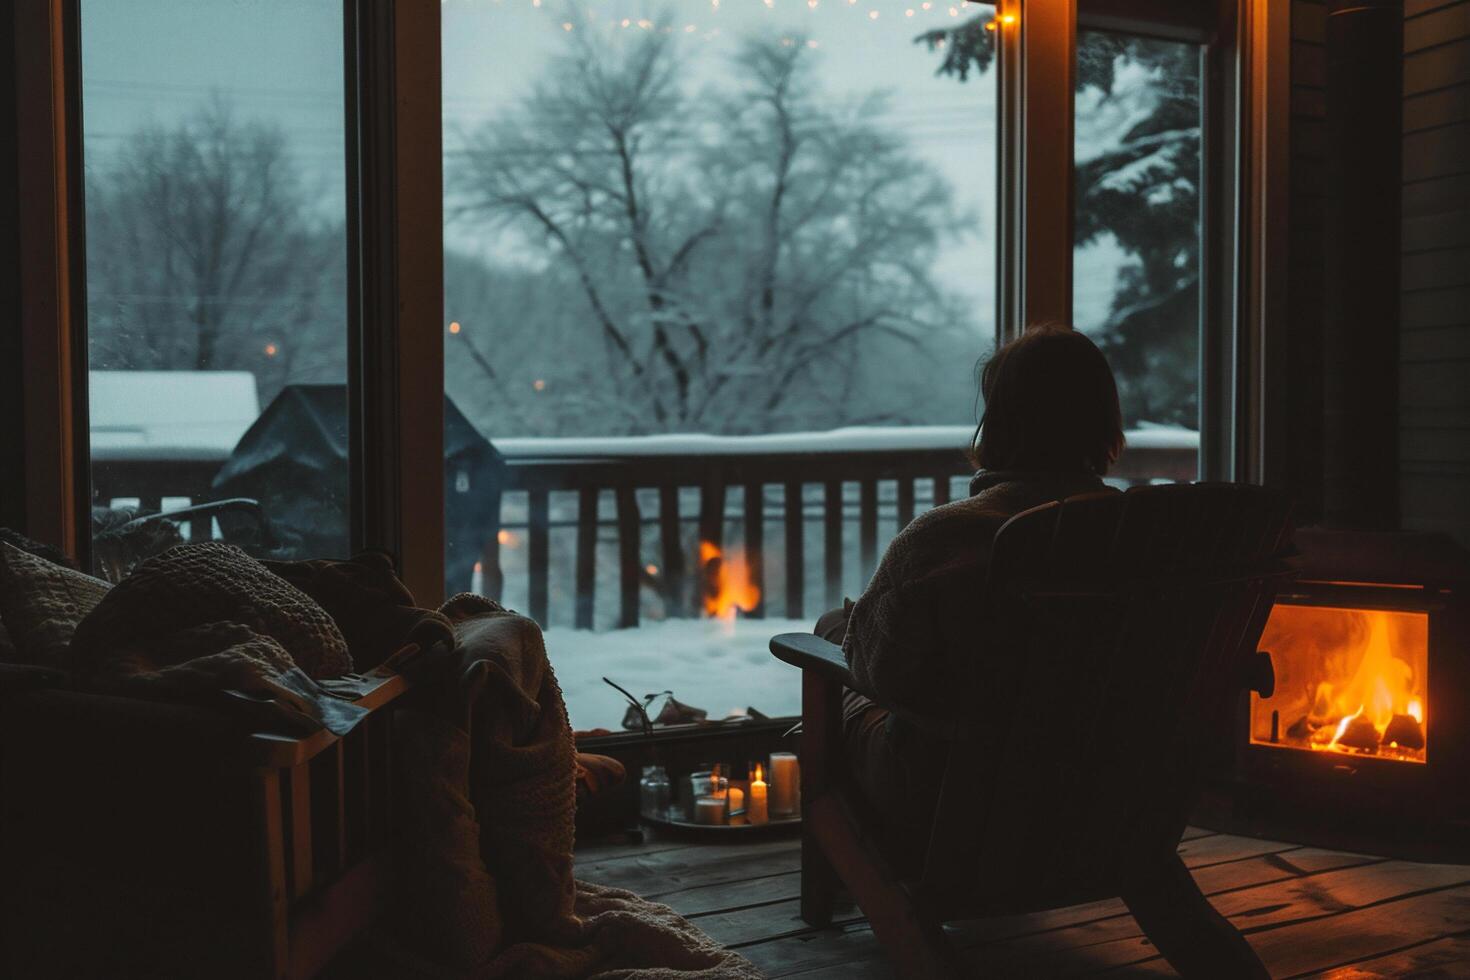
[
  {"x": 1348, "y": 680},
  {"x": 727, "y": 582}
]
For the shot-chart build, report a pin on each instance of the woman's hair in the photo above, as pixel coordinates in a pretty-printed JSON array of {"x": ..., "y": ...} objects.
[{"x": 1050, "y": 404}]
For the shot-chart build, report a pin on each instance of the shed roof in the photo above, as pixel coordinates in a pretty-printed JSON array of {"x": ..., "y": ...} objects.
[{"x": 170, "y": 414}]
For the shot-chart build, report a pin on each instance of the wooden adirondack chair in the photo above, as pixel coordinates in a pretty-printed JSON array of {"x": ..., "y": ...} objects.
[{"x": 1118, "y": 631}]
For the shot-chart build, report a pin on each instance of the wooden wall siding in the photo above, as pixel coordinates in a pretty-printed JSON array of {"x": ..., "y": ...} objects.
[
  {"x": 1434, "y": 349},
  {"x": 1306, "y": 219}
]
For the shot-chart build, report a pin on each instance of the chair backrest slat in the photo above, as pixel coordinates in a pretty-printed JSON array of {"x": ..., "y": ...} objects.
[{"x": 1116, "y": 629}]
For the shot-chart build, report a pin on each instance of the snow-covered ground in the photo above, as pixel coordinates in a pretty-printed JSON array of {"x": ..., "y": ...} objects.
[{"x": 717, "y": 665}]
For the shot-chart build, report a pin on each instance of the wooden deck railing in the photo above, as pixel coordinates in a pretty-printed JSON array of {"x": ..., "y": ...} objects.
[
  {"x": 838, "y": 478},
  {"x": 842, "y": 481}
]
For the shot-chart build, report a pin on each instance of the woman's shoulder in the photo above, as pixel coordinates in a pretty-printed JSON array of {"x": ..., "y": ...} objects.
[{"x": 956, "y": 532}]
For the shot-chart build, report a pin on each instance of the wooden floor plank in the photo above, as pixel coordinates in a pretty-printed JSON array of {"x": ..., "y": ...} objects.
[
  {"x": 686, "y": 867},
  {"x": 871, "y": 968},
  {"x": 1213, "y": 880},
  {"x": 1440, "y": 959},
  {"x": 1306, "y": 911},
  {"x": 617, "y": 846},
  {"x": 1221, "y": 848},
  {"x": 703, "y": 899},
  {"x": 1298, "y": 905},
  {"x": 852, "y": 943},
  {"x": 1308, "y": 947},
  {"x": 762, "y": 923}
]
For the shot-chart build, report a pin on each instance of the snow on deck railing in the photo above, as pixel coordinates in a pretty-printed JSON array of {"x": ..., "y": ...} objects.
[{"x": 857, "y": 439}]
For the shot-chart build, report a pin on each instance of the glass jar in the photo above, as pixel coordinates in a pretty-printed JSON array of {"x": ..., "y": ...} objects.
[{"x": 654, "y": 793}]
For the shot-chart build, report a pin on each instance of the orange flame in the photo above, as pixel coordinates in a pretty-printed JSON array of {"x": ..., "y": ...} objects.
[
  {"x": 1347, "y": 669},
  {"x": 760, "y": 774},
  {"x": 728, "y": 585}
]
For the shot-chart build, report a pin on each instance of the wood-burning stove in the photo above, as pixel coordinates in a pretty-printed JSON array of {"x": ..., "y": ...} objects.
[{"x": 1364, "y": 743}]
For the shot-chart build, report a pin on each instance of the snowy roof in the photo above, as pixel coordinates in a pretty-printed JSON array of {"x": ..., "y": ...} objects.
[
  {"x": 848, "y": 440},
  {"x": 170, "y": 414}
]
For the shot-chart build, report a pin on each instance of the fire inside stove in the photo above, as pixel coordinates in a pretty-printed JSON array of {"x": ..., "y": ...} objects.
[{"x": 1351, "y": 681}]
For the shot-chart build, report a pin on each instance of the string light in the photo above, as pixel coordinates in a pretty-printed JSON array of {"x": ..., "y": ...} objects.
[
  {"x": 566, "y": 25},
  {"x": 454, "y": 327},
  {"x": 872, "y": 15},
  {"x": 270, "y": 350},
  {"x": 539, "y": 384},
  {"x": 909, "y": 12}
]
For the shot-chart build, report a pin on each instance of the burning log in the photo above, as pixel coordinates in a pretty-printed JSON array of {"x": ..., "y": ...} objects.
[
  {"x": 1300, "y": 730},
  {"x": 1405, "y": 732},
  {"x": 1360, "y": 733}
]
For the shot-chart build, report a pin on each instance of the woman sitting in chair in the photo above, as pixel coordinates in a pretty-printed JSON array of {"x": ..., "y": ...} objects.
[{"x": 1050, "y": 430}]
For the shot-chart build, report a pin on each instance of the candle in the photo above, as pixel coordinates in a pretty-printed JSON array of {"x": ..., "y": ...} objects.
[
  {"x": 755, "y": 807},
  {"x": 709, "y": 810},
  {"x": 735, "y": 806},
  {"x": 785, "y": 784}
]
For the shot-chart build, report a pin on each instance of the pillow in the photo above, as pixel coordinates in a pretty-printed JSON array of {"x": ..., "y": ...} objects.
[{"x": 41, "y": 603}]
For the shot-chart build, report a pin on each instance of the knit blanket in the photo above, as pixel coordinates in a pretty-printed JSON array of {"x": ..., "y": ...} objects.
[
  {"x": 207, "y": 623},
  {"x": 486, "y": 880}
]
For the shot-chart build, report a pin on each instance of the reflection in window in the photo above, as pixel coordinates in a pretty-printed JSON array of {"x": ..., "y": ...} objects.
[
  {"x": 684, "y": 244},
  {"x": 216, "y": 268},
  {"x": 1137, "y": 263}
]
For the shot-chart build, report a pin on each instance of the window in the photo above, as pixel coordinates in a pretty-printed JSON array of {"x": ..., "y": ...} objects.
[
  {"x": 708, "y": 267},
  {"x": 216, "y": 265},
  {"x": 1137, "y": 265},
  {"x": 694, "y": 254}
]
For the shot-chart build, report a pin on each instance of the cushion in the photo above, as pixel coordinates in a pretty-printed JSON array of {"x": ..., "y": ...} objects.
[{"x": 41, "y": 603}]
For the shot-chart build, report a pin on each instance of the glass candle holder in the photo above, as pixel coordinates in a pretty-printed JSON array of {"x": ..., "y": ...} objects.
[{"x": 711, "y": 800}]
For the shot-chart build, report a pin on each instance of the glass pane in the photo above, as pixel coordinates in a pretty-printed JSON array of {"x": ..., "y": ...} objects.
[
  {"x": 688, "y": 248},
  {"x": 1137, "y": 261},
  {"x": 216, "y": 271}
]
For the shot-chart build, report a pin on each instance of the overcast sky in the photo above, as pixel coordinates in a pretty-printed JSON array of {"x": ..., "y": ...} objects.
[{"x": 153, "y": 61}]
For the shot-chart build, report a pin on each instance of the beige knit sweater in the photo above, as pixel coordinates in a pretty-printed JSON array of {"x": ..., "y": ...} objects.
[{"x": 915, "y": 624}]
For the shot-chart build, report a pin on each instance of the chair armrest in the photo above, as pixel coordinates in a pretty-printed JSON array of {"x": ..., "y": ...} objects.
[{"x": 810, "y": 652}]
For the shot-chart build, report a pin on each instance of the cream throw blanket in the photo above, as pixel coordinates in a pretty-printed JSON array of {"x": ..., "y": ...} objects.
[{"x": 487, "y": 882}]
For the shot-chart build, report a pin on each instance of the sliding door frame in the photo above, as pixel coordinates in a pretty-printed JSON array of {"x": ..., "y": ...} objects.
[
  {"x": 52, "y": 492},
  {"x": 395, "y": 277}
]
